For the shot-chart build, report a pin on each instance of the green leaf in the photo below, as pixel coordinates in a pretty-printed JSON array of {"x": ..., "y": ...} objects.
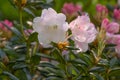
[
  {"x": 97, "y": 69},
  {"x": 20, "y": 49},
  {"x": 97, "y": 76},
  {"x": 19, "y": 66},
  {"x": 103, "y": 62},
  {"x": 10, "y": 75},
  {"x": 44, "y": 56},
  {"x": 3, "y": 66},
  {"x": 47, "y": 64},
  {"x": 2, "y": 53},
  {"x": 35, "y": 60},
  {"x": 78, "y": 61},
  {"x": 27, "y": 72},
  {"x": 33, "y": 37},
  {"x": 54, "y": 78},
  {"x": 29, "y": 12},
  {"x": 113, "y": 61},
  {"x": 58, "y": 56},
  {"x": 115, "y": 72},
  {"x": 1, "y": 71}
]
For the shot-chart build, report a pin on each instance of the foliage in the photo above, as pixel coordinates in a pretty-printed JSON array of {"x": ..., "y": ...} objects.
[{"x": 23, "y": 58}]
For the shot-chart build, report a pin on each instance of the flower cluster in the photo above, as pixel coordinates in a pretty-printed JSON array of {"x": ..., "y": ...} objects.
[
  {"x": 83, "y": 31},
  {"x": 111, "y": 29}
]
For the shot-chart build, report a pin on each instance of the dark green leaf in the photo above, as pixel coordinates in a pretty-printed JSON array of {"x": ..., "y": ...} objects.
[
  {"x": 47, "y": 64},
  {"x": 35, "y": 60},
  {"x": 27, "y": 72},
  {"x": 97, "y": 69},
  {"x": 19, "y": 66},
  {"x": 78, "y": 61},
  {"x": 29, "y": 12},
  {"x": 33, "y": 37},
  {"x": 113, "y": 61},
  {"x": 97, "y": 76},
  {"x": 115, "y": 72},
  {"x": 2, "y": 53},
  {"x": 10, "y": 75},
  {"x": 44, "y": 56}
]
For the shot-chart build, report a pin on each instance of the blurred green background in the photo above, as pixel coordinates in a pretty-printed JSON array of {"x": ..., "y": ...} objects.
[{"x": 8, "y": 11}]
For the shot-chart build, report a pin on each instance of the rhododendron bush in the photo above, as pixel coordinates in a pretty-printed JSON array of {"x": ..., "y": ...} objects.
[{"x": 60, "y": 40}]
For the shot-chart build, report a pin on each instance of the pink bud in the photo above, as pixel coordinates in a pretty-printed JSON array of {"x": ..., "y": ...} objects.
[
  {"x": 112, "y": 27},
  {"x": 117, "y": 14},
  {"x": 71, "y": 9},
  {"x": 28, "y": 32},
  {"x": 101, "y": 8},
  {"x": 105, "y": 23}
]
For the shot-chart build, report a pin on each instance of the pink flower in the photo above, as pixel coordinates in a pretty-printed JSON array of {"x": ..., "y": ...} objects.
[
  {"x": 112, "y": 27},
  {"x": 28, "y": 32},
  {"x": 117, "y": 14},
  {"x": 71, "y": 9},
  {"x": 8, "y": 23},
  {"x": 113, "y": 38},
  {"x": 83, "y": 32},
  {"x": 101, "y": 8}
]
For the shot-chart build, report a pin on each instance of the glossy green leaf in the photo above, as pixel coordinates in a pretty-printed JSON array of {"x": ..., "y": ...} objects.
[
  {"x": 97, "y": 69},
  {"x": 19, "y": 66},
  {"x": 44, "y": 56},
  {"x": 12, "y": 77}
]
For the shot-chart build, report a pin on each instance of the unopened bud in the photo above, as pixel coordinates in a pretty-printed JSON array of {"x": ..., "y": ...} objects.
[{"x": 20, "y": 3}]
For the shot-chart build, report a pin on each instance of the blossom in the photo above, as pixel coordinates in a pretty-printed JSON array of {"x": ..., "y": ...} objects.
[
  {"x": 101, "y": 8},
  {"x": 113, "y": 38},
  {"x": 111, "y": 27},
  {"x": 6, "y": 22},
  {"x": 6, "y": 33},
  {"x": 116, "y": 14},
  {"x": 51, "y": 27},
  {"x": 71, "y": 9},
  {"x": 83, "y": 32},
  {"x": 28, "y": 32}
]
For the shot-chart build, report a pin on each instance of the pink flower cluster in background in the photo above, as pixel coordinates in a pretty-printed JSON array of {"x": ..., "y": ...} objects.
[
  {"x": 71, "y": 9},
  {"x": 6, "y": 22},
  {"x": 117, "y": 14},
  {"x": 101, "y": 8},
  {"x": 111, "y": 29},
  {"x": 6, "y": 33}
]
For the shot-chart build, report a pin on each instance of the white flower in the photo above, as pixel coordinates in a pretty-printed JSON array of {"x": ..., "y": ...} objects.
[{"x": 51, "y": 27}]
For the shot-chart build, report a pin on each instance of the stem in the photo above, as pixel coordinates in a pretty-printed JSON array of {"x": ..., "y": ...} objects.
[
  {"x": 21, "y": 23},
  {"x": 35, "y": 48}
]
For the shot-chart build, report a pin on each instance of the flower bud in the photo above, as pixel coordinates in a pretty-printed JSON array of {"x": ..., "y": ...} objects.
[
  {"x": 111, "y": 27},
  {"x": 117, "y": 14},
  {"x": 20, "y": 3}
]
